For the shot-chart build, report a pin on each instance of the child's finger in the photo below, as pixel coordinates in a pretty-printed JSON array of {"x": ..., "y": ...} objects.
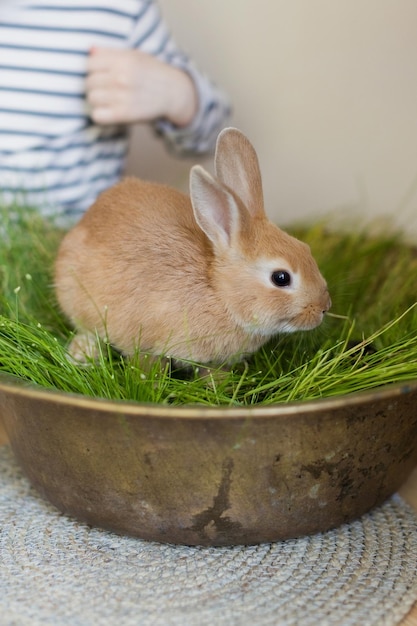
[{"x": 99, "y": 59}]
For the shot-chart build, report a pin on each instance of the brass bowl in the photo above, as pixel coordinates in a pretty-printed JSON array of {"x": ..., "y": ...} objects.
[{"x": 213, "y": 476}]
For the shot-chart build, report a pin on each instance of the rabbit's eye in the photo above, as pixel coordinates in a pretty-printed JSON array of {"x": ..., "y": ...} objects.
[{"x": 281, "y": 278}]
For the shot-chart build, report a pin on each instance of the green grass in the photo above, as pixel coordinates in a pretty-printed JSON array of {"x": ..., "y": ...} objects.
[{"x": 372, "y": 281}]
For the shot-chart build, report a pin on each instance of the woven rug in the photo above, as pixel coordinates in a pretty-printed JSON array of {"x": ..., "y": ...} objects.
[{"x": 57, "y": 571}]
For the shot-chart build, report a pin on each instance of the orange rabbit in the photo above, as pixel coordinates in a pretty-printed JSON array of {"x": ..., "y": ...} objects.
[{"x": 206, "y": 278}]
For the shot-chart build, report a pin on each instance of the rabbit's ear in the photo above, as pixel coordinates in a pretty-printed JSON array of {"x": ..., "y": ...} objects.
[
  {"x": 215, "y": 209},
  {"x": 237, "y": 166}
]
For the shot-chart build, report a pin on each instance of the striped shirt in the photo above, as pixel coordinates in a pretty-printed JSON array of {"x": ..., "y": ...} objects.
[{"x": 52, "y": 155}]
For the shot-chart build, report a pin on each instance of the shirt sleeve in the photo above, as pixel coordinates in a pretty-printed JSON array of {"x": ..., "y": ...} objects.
[{"x": 151, "y": 35}]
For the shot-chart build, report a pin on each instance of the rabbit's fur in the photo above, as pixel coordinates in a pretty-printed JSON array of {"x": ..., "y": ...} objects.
[{"x": 149, "y": 267}]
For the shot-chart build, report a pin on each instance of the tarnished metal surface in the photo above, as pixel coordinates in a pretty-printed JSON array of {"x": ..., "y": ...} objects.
[{"x": 204, "y": 476}]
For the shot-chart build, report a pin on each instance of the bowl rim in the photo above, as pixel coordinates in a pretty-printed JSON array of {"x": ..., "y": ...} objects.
[{"x": 19, "y": 387}]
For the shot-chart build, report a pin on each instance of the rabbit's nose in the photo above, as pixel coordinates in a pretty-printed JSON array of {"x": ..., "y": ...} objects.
[{"x": 327, "y": 302}]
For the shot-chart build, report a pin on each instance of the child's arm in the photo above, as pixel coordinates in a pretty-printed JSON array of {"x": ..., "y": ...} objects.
[{"x": 154, "y": 81}]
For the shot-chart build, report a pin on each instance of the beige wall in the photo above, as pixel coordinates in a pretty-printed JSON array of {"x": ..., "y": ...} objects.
[{"x": 325, "y": 89}]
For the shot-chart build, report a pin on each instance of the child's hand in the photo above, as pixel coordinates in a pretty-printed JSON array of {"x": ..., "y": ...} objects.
[{"x": 128, "y": 86}]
